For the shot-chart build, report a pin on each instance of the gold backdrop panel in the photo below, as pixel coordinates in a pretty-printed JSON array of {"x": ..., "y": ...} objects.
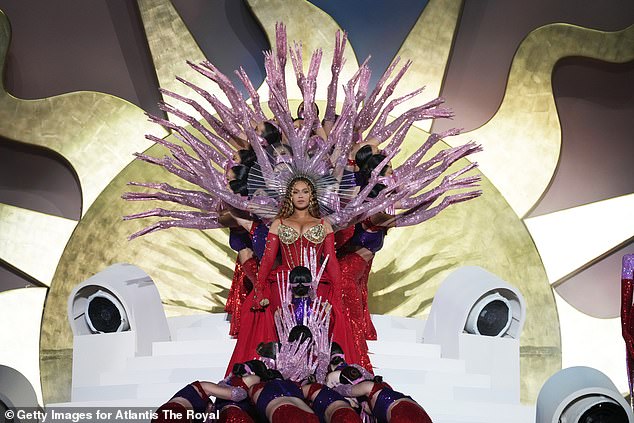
[
  {"x": 171, "y": 45},
  {"x": 522, "y": 141},
  {"x": 428, "y": 45},
  {"x": 315, "y": 29},
  {"x": 95, "y": 132},
  {"x": 33, "y": 242},
  {"x": 573, "y": 239},
  {"x": 192, "y": 269}
]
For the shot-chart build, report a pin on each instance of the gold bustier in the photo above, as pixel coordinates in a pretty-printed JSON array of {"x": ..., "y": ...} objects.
[{"x": 288, "y": 235}]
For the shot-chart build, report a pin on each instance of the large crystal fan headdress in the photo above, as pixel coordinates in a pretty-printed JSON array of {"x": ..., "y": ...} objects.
[{"x": 418, "y": 189}]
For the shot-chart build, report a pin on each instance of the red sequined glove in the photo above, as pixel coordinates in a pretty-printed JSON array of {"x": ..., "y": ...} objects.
[{"x": 261, "y": 289}]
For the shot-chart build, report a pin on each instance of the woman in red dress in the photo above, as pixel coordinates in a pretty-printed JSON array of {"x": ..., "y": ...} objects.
[{"x": 297, "y": 229}]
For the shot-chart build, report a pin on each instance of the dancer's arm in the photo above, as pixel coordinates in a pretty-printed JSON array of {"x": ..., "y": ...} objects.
[
  {"x": 233, "y": 393},
  {"x": 266, "y": 264},
  {"x": 359, "y": 390}
]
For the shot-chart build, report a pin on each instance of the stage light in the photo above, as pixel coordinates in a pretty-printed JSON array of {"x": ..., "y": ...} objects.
[
  {"x": 472, "y": 300},
  {"x": 16, "y": 392},
  {"x": 490, "y": 316},
  {"x": 115, "y": 315},
  {"x": 105, "y": 314},
  {"x": 120, "y": 298},
  {"x": 581, "y": 395},
  {"x": 478, "y": 318}
]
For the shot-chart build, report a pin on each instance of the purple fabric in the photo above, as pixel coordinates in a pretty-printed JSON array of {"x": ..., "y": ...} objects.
[
  {"x": 628, "y": 266},
  {"x": 193, "y": 396},
  {"x": 385, "y": 398},
  {"x": 258, "y": 239},
  {"x": 373, "y": 241},
  {"x": 274, "y": 389},
  {"x": 301, "y": 307},
  {"x": 239, "y": 239},
  {"x": 324, "y": 398}
]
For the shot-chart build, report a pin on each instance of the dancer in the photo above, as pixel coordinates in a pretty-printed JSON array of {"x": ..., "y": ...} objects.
[
  {"x": 387, "y": 405},
  {"x": 328, "y": 405},
  {"x": 190, "y": 403},
  {"x": 299, "y": 226}
]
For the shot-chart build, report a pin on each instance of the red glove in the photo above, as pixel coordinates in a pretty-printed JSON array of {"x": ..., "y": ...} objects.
[{"x": 261, "y": 287}]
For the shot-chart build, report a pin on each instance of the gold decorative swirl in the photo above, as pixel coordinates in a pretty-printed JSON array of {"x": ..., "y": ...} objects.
[
  {"x": 172, "y": 45},
  {"x": 97, "y": 133},
  {"x": 428, "y": 45},
  {"x": 315, "y": 29},
  {"x": 522, "y": 141}
]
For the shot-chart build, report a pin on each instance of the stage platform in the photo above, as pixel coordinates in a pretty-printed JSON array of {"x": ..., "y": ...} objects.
[{"x": 200, "y": 349}]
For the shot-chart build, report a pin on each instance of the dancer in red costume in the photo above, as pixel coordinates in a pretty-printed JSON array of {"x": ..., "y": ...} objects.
[
  {"x": 627, "y": 314},
  {"x": 299, "y": 226},
  {"x": 189, "y": 404},
  {"x": 298, "y": 229},
  {"x": 387, "y": 405}
]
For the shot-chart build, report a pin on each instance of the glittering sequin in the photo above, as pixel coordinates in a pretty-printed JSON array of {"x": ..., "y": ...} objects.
[{"x": 289, "y": 235}]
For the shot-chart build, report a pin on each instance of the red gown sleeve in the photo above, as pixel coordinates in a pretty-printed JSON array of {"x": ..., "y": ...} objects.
[
  {"x": 332, "y": 267},
  {"x": 266, "y": 264}
]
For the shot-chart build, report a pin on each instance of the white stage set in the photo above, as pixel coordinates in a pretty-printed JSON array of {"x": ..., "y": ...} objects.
[{"x": 464, "y": 357}]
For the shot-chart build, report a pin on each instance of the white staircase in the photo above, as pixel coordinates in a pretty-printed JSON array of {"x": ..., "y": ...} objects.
[{"x": 200, "y": 350}]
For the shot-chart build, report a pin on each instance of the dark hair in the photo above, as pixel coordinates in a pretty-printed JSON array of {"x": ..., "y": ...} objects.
[
  {"x": 247, "y": 157},
  {"x": 373, "y": 161},
  {"x": 300, "y": 115},
  {"x": 300, "y": 333},
  {"x": 271, "y": 374},
  {"x": 257, "y": 366},
  {"x": 376, "y": 190},
  {"x": 270, "y": 133},
  {"x": 239, "y": 369},
  {"x": 362, "y": 155},
  {"x": 370, "y": 164},
  {"x": 300, "y": 274},
  {"x": 348, "y": 375},
  {"x": 239, "y": 186},
  {"x": 241, "y": 171},
  {"x": 335, "y": 348},
  {"x": 272, "y": 149},
  {"x": 267, "y": 349}
]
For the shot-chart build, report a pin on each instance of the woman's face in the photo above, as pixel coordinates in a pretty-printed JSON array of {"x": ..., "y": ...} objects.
[
  {"x": 236, "y": 157},
  {"x": 231, "y": 176},
  {"x": 300, "y": 195}
]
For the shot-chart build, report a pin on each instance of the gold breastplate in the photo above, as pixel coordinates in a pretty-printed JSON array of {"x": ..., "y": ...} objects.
[{"x": 288, "y": 234}]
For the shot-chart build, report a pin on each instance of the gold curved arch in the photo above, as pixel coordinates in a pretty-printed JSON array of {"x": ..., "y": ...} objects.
[
  {"x": 80, "y": 126},
  {"x": 428, "y": 45},
  {"x": 522, "y": 141},
  {"x": 171, "y": 46},
  {"x": 298, "y": 15}
]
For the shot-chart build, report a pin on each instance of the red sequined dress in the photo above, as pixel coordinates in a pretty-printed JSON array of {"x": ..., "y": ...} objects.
[{"x": 258, "y": 326}]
